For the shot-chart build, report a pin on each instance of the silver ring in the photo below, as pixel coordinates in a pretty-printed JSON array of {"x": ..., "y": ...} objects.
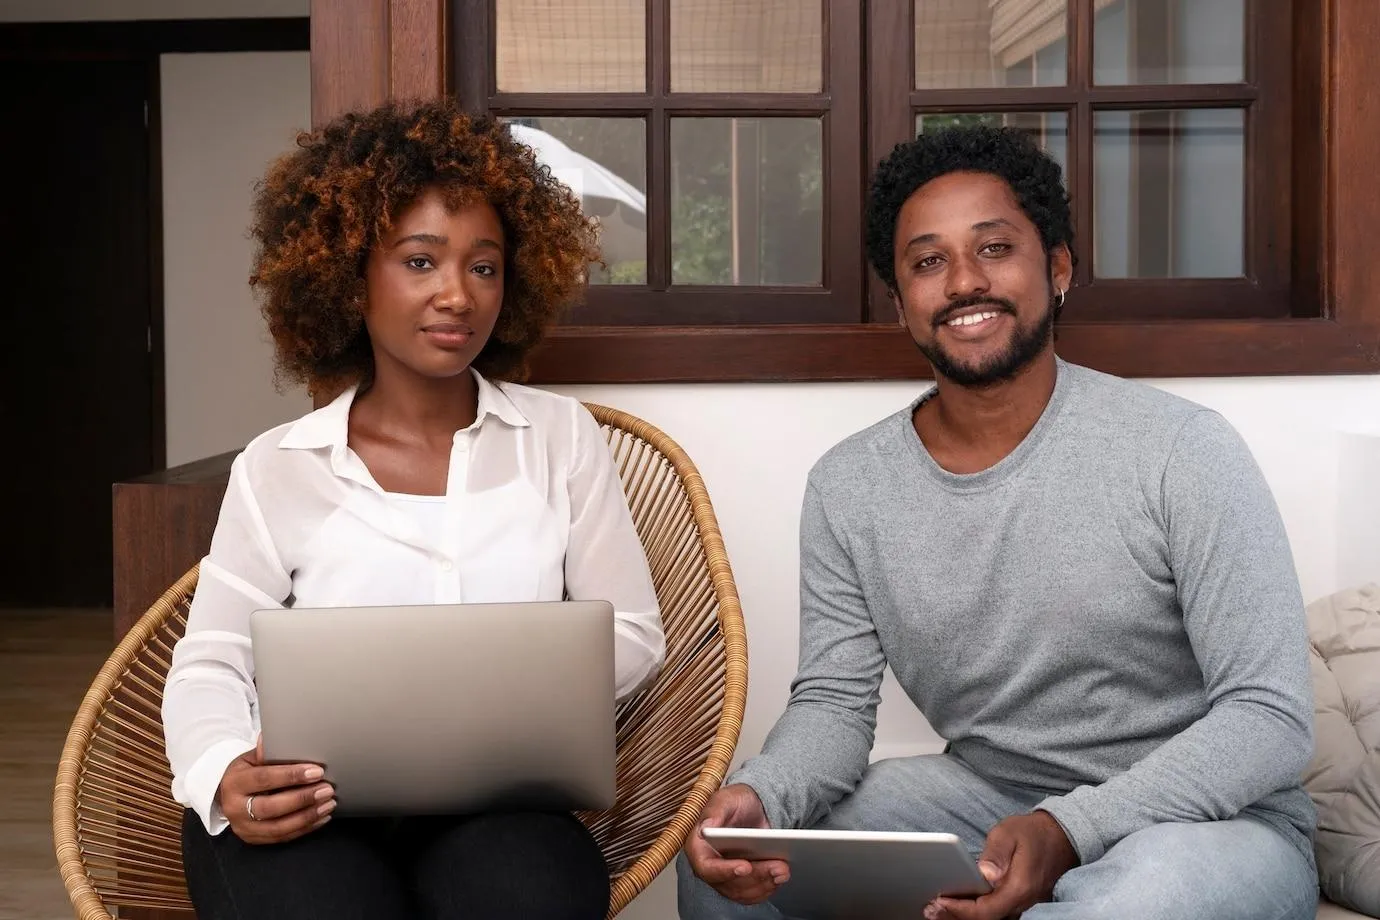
[{"x": 249, "y": 808}]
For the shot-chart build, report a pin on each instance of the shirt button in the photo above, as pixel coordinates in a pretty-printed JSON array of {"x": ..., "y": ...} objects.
[{"x": 446, "y": 565}]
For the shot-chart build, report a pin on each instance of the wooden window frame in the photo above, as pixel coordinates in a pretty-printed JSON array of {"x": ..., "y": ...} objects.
[
  {"x": 837, "y": 299},
  {"x": 364, "y": 51},
  {"x": 1265, "y": 94}
]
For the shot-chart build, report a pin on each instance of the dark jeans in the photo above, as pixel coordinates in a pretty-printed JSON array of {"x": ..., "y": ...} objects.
[{"x": 530, "y": 865}]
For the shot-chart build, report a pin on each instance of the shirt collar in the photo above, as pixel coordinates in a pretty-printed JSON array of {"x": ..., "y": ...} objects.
[{"x": 329, "y": 426}]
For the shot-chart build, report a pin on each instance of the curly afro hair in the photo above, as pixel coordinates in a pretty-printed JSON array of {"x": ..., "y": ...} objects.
[
  {"x": 1008, "y": 153},
  {"x": 320, "y": 209}
]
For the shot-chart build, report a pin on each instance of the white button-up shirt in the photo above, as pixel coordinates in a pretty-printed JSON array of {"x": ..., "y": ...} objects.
[{"x": 533, "y": 511}]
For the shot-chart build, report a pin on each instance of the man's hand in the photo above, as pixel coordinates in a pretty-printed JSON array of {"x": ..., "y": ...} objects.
[
  {"x": 289, "y": 801},
  {"x": 1025, "y": 855},
  {"x": 741, "y": 880}
]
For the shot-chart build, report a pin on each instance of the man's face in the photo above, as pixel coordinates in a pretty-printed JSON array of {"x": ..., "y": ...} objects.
[{"x": 974, "y": 285}]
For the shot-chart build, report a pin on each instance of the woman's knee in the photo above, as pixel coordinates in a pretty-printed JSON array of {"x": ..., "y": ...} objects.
[
  {"x": 527, "y": 864},
  {"x": 330, "y": 873}
]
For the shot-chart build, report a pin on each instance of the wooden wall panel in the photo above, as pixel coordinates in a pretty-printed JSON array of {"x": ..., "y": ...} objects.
[
  {"x": 417, "y": 49},
  {"x": 1353, "y": 195},
  {"x": 349, "y": 56},
  {"x": 366, "y": 51}
]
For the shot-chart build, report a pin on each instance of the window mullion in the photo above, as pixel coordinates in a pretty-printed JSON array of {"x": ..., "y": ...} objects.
[
  {"x": 1081, "y": 174},
  {"x": 890, "y": 56},
  {"x": 844, "y": 162},
  {"x": 659, "y": 147},
  {"x": 659, "y": 197}
]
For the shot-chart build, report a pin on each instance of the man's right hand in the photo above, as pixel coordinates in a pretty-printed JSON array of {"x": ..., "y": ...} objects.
[
  {"x": 741, "y": 880},
  {"x": 289, "y": 799}
]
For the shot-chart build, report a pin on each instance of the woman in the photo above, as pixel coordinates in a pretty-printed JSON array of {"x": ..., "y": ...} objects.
[{"x": 409, "y": 259}]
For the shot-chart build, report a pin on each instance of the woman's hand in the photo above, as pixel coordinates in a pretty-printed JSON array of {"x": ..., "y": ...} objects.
[{"x": 273, "y": 804}]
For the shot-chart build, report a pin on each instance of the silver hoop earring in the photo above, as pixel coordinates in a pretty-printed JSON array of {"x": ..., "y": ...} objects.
[{"x": 1060, "y": 302}]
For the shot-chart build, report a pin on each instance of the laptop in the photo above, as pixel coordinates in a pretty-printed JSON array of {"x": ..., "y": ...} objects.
[{"x": 443, "y": 709}]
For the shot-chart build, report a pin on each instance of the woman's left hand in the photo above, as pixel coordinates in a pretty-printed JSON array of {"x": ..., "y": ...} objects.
[{"x": 274, "y": 803}]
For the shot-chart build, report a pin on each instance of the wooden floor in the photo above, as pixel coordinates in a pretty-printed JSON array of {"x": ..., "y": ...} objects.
[{"x": 47, "y": 660}]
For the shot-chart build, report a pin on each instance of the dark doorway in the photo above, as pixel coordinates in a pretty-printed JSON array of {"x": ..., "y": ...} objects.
[
  {"x": 77, "y": 411},
  {"x": 81, "y": 258}
]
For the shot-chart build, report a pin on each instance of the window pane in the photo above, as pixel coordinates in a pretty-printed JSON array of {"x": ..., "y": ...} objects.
[
  {"x": 737, "y": 46},
  {"x": 1170, "y": 41},
  {"x": 604, "y": 161},
  {"x": 1050, "y": 129},
  {"x": 1169, "y": 193},
  {"x": 572, "y": 46},
  {"x": 746, "y": 201},
  {"x": 967, "y": 43}
]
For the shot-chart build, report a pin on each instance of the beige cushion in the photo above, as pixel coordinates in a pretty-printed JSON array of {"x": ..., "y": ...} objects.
[
  {"x": 1344, "y": 776},
  {"x": 1330, "y": 911}
]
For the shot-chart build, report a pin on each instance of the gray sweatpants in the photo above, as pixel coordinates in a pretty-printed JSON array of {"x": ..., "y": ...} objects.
[{"x": 1240, "y": 869}]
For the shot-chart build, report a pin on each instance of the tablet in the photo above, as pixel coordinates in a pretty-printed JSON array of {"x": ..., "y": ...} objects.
[{"x": 857, "y": 875}]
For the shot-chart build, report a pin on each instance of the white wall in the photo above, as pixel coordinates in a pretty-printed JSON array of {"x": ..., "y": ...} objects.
[
  {"x": 82, "y": 10},
  {"x": 225, "y": 117}
]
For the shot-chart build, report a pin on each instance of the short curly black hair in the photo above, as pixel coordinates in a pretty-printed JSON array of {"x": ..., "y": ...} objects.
[
  {"x": 1008, "y": 153},
  {"x": 321, "y": 208}
]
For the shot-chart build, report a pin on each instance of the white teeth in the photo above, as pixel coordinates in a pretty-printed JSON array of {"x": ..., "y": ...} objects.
[{"x": 970, "y": 319}]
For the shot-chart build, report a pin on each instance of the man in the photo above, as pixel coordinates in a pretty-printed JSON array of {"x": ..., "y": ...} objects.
[{"x": 1082, "y": 582}]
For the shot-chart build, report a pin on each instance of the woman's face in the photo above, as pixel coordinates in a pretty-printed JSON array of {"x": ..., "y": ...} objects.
[{"x": 434, "y": 287}]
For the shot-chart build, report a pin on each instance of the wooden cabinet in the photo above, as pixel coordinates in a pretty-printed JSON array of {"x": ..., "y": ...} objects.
[{"x": 163, "y": 525}]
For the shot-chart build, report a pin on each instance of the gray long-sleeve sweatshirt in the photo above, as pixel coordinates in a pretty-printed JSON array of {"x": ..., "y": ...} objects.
[{"x": 1110, "y": 615}]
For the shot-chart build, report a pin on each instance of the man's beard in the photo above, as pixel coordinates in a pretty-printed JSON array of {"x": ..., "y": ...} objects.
[{"x": 1025, "y": 346}]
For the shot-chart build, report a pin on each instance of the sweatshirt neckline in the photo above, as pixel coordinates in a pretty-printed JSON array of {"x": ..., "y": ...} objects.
[{"x": 1008, "y": 466}]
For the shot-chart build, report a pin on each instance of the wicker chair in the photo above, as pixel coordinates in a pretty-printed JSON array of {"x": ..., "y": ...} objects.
[{"x": 117, "y": 831}]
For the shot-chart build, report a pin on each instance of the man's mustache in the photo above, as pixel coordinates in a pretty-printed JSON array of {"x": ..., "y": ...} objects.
[{"x": 966, "y": 303}]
